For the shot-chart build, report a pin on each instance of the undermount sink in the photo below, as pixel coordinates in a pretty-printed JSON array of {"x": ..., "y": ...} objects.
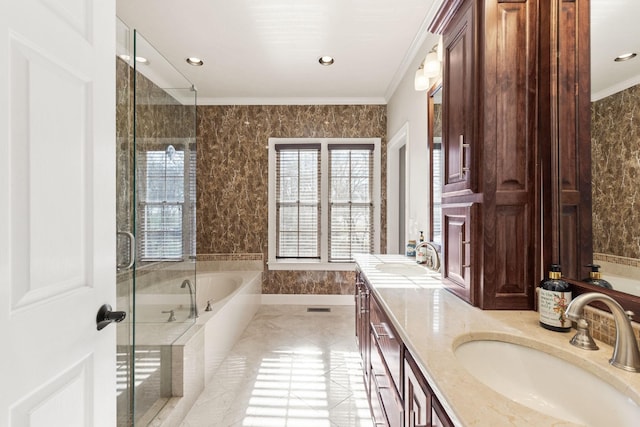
[
  {"x": 402, "y": 269},
  {"x": 547, "y": 383}
]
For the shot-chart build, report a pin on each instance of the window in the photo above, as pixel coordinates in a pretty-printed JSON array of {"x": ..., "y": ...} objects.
[
  {"x": 298, "y": 201},
  {"x": 323, "y": 201},
  {"x": 165, "y": 218},
  {"x": 350, "y": 201}
]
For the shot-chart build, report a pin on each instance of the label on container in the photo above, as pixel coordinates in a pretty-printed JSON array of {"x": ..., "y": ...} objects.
[
  {"x": 552, "y": 306},
  {"x": 411, "y": 248},
  {"x": 421, "y": 255}
]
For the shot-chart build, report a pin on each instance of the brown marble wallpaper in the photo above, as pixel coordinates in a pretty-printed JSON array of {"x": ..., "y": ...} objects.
[
  {"x": 615, "y": 151},
  {"x": 161, "y": 119},
  {"x": 124, "y": 157},
  {"x": 232, "y": 195}
]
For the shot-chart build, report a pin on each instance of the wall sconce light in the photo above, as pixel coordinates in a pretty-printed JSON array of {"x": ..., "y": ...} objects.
[
  {"x": 421, "y": 82},
  {"x": 429, "y": 69}
]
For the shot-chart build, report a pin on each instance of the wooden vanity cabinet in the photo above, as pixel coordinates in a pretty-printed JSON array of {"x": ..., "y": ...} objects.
[
  {"x": 386, "y": 365},
  {"x": 399, "y": 395},
  {"x": 490, "y": 149},
  {"x": 362, "y": 295},
  {"x": 421, "y": 406}
]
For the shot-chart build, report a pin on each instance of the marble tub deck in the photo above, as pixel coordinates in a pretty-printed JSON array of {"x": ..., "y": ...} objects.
[{"x": 289, "y": 368}]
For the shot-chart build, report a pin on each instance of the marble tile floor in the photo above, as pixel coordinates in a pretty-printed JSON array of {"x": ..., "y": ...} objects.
[{"x": 290, "y": 368}]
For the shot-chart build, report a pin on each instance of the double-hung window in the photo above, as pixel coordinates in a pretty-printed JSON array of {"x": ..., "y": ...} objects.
[
  {"x": 166, "y": 204},
  {"x": 324, "y": 197}
]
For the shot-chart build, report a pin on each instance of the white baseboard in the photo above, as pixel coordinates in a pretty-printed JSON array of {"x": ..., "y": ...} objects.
[{"x": 305, "y": 299}]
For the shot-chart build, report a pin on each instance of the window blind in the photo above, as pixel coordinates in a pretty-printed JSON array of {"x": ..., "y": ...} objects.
[
  {"x": 191, "y": 235},
  {"x": 298, "y": 200},
  {"x": 350, "y": 201},
  {"x": 160, "y": 189}
]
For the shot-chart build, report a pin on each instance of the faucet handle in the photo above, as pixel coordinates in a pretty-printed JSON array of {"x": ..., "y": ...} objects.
[
  {"x": 172, "y": 315},
  {"x": 582, "y": 339}
]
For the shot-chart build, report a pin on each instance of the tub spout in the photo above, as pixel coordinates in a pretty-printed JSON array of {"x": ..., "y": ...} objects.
[{"x": 193, "y": 309}]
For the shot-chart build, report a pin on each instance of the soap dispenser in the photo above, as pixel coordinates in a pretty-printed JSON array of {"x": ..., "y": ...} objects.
[
  {"x": 595, "y": 277},
  {"x": 553, "y": 298}
]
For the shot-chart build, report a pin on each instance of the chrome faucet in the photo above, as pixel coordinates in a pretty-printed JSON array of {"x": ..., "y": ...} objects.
[
  {"x": 193, "y": 310},
  {"x": 625, "y": 352},
  {"x": 431, "y": 260}
]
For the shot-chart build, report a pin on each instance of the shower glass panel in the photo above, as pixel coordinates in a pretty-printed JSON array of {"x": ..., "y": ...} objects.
[
  {"x": 124, "y": 221},
  {"x": 156, "y": 118}
]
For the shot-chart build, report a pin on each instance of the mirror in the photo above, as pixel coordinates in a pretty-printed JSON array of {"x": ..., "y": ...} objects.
[
  {"x": 615, "y": 143},
  {"x": 434, "y": 137}
]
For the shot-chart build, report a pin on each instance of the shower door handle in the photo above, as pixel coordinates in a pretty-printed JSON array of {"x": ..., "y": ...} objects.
[
  {"x": 106, "y": 316},
  {"x": 132, "y": 250}
]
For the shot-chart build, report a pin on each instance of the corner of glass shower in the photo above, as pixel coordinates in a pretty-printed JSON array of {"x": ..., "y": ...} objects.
[{"x": 156, "y": 224}]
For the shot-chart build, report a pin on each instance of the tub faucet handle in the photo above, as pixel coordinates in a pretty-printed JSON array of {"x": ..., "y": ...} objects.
[
  {"x": 208, "y": 308},
  {"x": 172, "y": 315}
]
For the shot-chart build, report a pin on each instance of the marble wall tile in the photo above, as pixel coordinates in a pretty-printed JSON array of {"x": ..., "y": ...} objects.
[
  {"x": 615, "y": 169},
  {"x": 232, "y": 195}
]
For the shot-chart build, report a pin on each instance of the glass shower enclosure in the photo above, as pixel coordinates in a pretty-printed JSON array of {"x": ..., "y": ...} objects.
[{"x": 156, "y": 159}]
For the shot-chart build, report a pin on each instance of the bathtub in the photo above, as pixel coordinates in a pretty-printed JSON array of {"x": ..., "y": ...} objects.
[
  {"x": 195, "y": 354},
  {"x": 235, "y": 298}
]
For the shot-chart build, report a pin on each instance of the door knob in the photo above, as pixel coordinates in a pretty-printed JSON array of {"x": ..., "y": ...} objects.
[{"x": 106, "y": 316}]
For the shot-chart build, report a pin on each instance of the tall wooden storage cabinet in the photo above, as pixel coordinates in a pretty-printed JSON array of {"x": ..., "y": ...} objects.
[{"x": 491, "y": 186}]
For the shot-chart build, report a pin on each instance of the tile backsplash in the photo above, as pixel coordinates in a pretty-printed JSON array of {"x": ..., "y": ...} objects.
[{"x": 602, "y": 326}]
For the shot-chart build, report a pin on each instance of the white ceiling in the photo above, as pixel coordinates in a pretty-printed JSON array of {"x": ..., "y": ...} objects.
[
  {"x": 266, "y": 51},
  {"x": 614, "y": 31}
]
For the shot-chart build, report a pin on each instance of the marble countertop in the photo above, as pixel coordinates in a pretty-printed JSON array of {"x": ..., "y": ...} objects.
[{"x": 432, "y": 322}]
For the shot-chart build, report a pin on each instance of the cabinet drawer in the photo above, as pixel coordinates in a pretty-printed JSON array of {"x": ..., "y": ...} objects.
[
  {"x": 387, "y": 340},
  {"x": 383, "y": 389}
]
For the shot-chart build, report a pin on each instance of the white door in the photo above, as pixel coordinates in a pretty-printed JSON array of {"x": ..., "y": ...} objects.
[{"x": 57, "y": 212}]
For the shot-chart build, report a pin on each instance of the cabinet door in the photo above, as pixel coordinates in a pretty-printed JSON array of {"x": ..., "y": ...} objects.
[
  {"x": 421, "y": 406},
  {"x": 458, "y": 101},
  {"x": 417, "y": 403},
  {"x": 457, "y": 249},
  {"x": 439, "y": 417}
]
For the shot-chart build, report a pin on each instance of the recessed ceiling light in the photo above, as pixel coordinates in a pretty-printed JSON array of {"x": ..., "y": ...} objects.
[
  {"x": 140, "y": 59},
  {"x": 326, "y": 60},
  {"x": 625, "y": 57},
  {"x": 196, "y": 62}
]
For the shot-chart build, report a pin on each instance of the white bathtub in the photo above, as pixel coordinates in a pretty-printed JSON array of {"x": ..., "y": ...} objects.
[
  {"x": 623, "y": 284},
  {"x": 197, "y": 353}
]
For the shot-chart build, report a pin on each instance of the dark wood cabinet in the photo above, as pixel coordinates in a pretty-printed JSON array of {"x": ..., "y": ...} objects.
[
  {"x": 458, "y": 130},
  {"x": 398, "y": 393},
  {"x": 421, "y": 406},
  {"x": 490, "y": 141},
  {"x": 386, "y": 365},
  {"x": 458, "y": 249},
  {"x": 362, "y": 325}
]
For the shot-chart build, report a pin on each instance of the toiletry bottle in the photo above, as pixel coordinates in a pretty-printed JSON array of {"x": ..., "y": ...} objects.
[
  {"x": 553, "y": 298},
  {"x": 595, "y": 277},
  {"x": 411, "y": 248},
  {"x": 421, "y": 239}
]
